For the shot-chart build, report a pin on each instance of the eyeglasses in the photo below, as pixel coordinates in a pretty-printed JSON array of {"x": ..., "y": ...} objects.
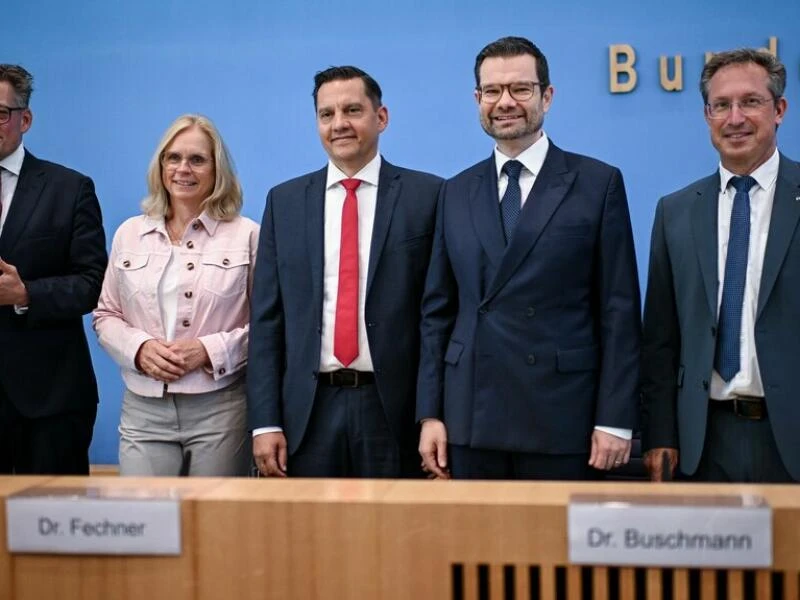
[
  {"x": 6, "y": 111},
  {"x": 749, "y": 107},
  {"x": 519, "y": 91},
  {"x": 196, "y": 162}
]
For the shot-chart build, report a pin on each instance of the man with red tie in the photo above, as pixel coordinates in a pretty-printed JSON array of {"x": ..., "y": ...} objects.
[{"x": 334, "y": 337}]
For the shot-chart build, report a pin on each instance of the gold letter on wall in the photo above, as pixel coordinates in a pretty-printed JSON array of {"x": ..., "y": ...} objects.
[
  {"x": 616, "y": 68},
  {"x": 675, "y": 84}
]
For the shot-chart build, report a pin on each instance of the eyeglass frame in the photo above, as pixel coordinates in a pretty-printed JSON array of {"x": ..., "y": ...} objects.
[
  {"x": 188, "y": 159},
  {"x": 507, "y": 86},
  {"x": 10, "y": 110},
  {"x": 745, "y": 110}
]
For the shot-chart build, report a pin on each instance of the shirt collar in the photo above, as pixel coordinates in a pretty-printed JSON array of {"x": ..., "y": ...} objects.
[
  {"x": 765, "y": 175},
  {"x": 13, "y": 162},
  {"x": 532, "y": 158},
  {"x": 150, "y": 224},
  {"x": 369, "y": 173}
]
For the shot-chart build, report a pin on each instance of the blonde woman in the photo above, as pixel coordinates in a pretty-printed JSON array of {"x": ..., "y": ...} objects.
[{"x": 173, "y": 311}]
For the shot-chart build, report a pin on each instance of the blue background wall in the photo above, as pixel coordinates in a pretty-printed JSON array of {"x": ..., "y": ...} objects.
[{"x": 110, "y": 76}]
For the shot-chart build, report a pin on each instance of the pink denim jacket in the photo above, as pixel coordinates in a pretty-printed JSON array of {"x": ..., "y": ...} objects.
[{"x": 214, "y": 286}]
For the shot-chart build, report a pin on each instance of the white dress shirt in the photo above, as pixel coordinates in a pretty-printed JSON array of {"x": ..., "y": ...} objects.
[
  {"x": 367, "y": 194},
  {"x": 532, "y": 159},
  {"x": 10, "y": 167},
  {"x": 747, "y": 382}
]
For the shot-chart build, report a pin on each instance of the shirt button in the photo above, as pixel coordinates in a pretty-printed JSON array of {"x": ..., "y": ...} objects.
[
  {"x": 222, "y": 371},
  {"x": 188, "y": 294},
  {"x": 482, "y": 311},
  {"x": 186, "y": 323},
  {"x": 195, "y": 226},
  {"x": 190, "y": 244},
  {"x": 226, "y": 262},
  {"x": 531, "y": 311},
  {"x": 190, "y": 266},
  {"x": 126, "y": 263},
  {"x": 531, "y": 359}
]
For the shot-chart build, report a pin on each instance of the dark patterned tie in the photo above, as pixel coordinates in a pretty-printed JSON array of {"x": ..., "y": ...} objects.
[
  {"x": 511, "y": 204},
  {"x": 729, "y": 326}
]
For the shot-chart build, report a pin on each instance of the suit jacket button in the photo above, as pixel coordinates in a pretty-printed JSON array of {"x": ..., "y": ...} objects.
[
  {"x": 190, "y": 244},
  {"x": 190, "y": 266},
  {"x": 482, "y": 311},
  {"x": 705, "y": 384},
  {"x": 188, "y": 294},
  {"x": 186, "y": 323},
  {"x": 195, "y": 226},
  {"x": 531, "y": 359},
  {"x": 370, "y": 324},
  {"x": 222, "y": 371},
  {"x": 226, "y": 261},
  {"x": 531, "y": 311},
  {"x": 126, "y": 263}
]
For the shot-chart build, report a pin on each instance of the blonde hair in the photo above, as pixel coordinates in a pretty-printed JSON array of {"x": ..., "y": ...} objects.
[{"x": 225, "y": 201}]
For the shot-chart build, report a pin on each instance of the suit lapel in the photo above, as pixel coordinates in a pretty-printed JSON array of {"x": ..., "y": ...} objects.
[
  {"x": 485, "y": 209},
  {"x": 785, "y": 215},
  {"x": 26, "y": 196},
  {"x": 315, "y": 230},
  {"x": 551, "y": 186},
  {"x": 389, "y": 186},
  {"x": 705, "y": 234}
]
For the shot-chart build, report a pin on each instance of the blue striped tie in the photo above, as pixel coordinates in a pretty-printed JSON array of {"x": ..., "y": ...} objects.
[
  {"x": 730, "y": 311},
  {"x": 511, "y": 204}
]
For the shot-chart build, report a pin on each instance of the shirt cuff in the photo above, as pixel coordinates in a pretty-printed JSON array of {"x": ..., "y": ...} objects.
[
  {"x": 625, "y": 434},
  {"x": 21, "y": 310},
  {"x": 260, "y": 430}
]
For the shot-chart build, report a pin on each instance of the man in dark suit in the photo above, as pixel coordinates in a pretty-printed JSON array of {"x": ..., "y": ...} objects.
[
  {"x": 721, "y": 334},
  {"x": 53, "y": 258},
  {"x": 334, "y": 334},
  {"x": 531, "y": 323}
]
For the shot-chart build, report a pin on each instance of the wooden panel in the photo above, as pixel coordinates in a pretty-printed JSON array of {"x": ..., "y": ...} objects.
[
  {"x": 627, "y": 584},
  {"x": 496, "y": 587},
  {"x": 708, "y": 584},
  {"x": 599, "y": 583},
  {"x": 122, "y": 578},
  {"x": 547, "y": 583},
  {"x": 522, "y": 582},
  {"x": 735, "y": 585},
  {"x": 763, "y": 585},
  {"x": 574, "y": 584},
  {"x": 680, "y": 584},
  {"x": 790, "y": 588},
  {"x": 470, "y": 582},
  {"x": 654, "y": 581}
]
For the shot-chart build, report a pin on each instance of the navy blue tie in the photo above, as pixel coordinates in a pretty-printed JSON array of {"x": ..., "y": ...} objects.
[
  {"x": 511, "y": 204},
  {"x": 729, "y": 327}
]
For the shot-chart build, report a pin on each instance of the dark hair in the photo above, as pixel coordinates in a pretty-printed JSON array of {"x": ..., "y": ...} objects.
[
  {"x": 513, "y": 46},
  {"x": 774, "y": 68},
  {"x": 20, "y": 80},
  {"x": 371, "y": 87}
]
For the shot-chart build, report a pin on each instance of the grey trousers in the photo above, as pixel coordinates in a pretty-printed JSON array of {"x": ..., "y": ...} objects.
[{"x": 156, "y": 433}]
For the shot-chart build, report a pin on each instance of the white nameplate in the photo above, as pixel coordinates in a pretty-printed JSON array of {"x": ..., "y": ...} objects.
[
  {"x": 92, "y": 521},
  {"x": 680, "y": 531}
]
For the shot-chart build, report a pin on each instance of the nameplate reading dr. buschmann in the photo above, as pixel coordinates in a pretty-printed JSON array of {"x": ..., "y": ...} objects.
[
  {"x": 676, "y": 531},
  {"x": 91, "y": 521}
]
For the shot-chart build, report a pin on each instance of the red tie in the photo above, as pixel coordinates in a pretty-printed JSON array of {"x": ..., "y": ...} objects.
[{"x": 345, "y": 330}]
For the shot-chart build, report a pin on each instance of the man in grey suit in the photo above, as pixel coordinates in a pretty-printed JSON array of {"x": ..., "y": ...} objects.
[
  {"x": 722, "y": 311},
  {"x": 334, "y": 334}
]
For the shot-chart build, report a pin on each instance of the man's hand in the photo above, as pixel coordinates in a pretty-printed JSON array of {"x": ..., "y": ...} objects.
[
  {"x": 433, "y": 448},
  {"x": 12, "y": 290},
  {"x": 608, "y": 451},
  {"x": 192, "y": 353},
  {"x": 654, "y": 462},
  {"x": 157, "y": 360},
  {"x": 269, "y": 452}
]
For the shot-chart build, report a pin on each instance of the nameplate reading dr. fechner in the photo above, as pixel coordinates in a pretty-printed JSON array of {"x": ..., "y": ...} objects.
[
  {"x": 678, "y": 531},
  {"x": 93, "y": 521}
]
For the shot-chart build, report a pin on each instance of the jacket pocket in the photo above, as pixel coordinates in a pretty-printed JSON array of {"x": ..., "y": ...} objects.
[
  {"x": 131, "y": 272},
  {"x": 225, "y": 273}
]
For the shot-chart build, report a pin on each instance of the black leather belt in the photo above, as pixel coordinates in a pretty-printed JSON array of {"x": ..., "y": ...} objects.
[
  {"x": 347, "y": 378},
  {"x": 747, "y": 407}
]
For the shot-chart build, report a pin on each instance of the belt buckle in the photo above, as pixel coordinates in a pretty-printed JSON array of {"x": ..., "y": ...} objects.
[
  {"x": 350, "y": 373},
  {"x": 745, "y": 414}
]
